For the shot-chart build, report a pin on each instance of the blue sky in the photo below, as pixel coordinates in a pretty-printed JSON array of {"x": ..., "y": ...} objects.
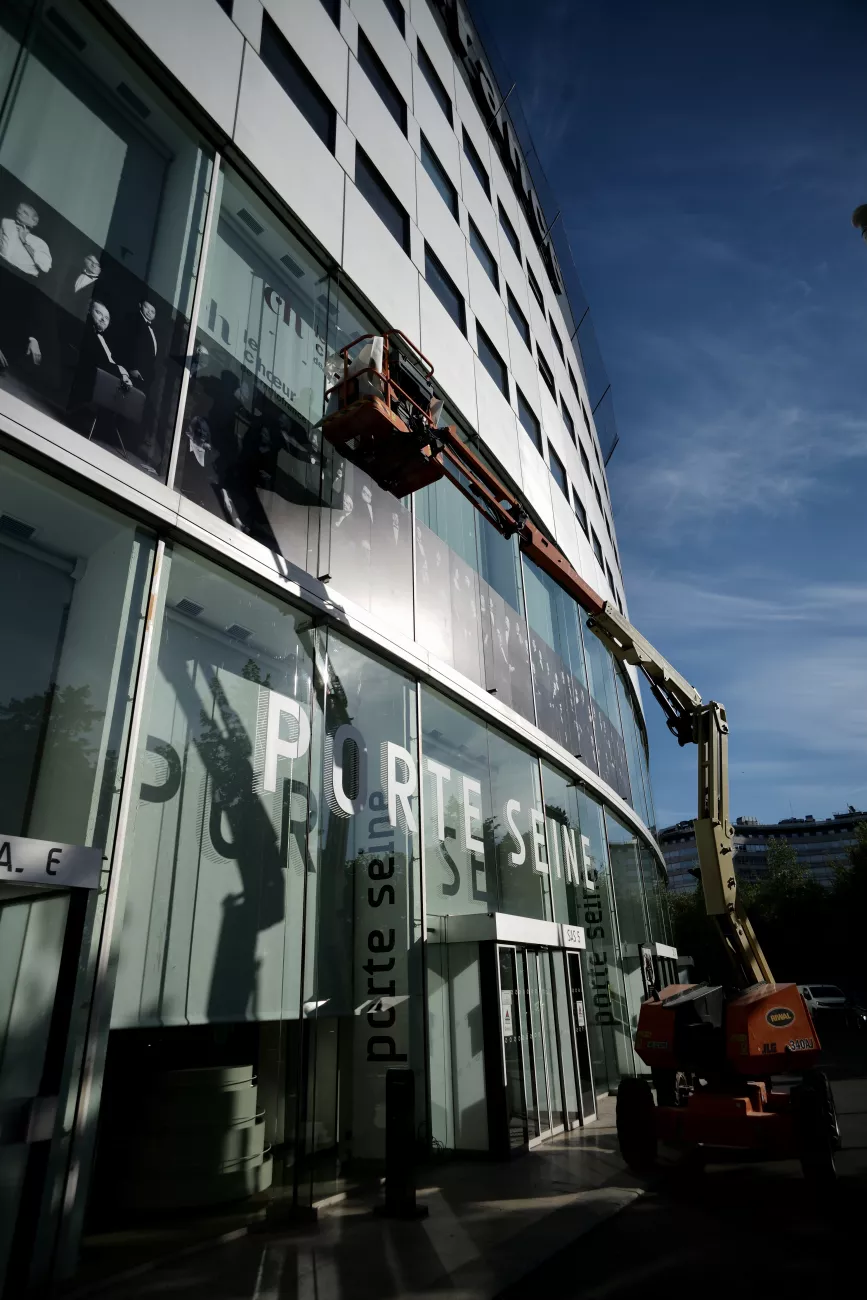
[{"x": 707, "y": 160}]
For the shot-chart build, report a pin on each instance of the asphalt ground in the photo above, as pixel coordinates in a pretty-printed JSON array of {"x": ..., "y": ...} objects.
[{"x": 733, "y": 1230}]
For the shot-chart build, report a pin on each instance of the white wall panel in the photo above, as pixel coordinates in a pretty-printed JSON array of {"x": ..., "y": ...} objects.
[
  {"x": 435, "y": 44},
  {"x": 524, "y": 367},
  {"x": 565, "y": 525},
  {"x": 376, "y": 263},
  {"x": 381, "y": 30},
  {"x": 317, "y": 42},
  {"x": 381, "y": 138},
  {"x": 290, "y": 154},
  {"x": 487, "y": 305},
  {"x": 498, "y": 426},
  {"x": 441, "y": 230},
  {"x": 199, "y": 45},
  {"x": 432, "y": 122},
  {"x": 247, "y": 17},
  {"x": 448, "y": 352},
  {"x": 536, "y": 479}
]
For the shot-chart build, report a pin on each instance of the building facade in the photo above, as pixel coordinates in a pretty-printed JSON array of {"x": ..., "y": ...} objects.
[
  {"x": 301, "y": 783},
  {"x": 820, "y": 845}
]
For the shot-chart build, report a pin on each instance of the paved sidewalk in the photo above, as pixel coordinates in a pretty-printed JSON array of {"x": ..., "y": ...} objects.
[{"x": 489, "y": 1224}]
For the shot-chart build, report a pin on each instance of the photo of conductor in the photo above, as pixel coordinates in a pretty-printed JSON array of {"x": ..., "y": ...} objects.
[{"x": 24, "y": 257}]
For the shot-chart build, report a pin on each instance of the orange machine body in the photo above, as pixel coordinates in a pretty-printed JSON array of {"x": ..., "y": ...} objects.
[{"x": 765, "y": 1031}]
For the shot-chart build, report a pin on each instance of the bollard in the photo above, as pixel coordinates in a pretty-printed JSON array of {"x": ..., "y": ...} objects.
[{"x": 400, "y": 1148}]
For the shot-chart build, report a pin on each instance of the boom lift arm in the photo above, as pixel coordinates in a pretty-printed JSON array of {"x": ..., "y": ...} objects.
[{"x": 381, "y": 415}]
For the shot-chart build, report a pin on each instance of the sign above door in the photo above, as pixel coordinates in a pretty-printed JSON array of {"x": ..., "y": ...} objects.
[{"x": 25, "y": 861}]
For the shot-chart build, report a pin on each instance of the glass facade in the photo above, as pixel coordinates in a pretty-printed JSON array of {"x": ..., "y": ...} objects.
[
  {"x": 349, "y": 767},
  {"x": 103, "y": 190}
]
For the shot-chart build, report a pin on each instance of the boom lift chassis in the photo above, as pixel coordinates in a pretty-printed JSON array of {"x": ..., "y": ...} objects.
[{"x": 732, "y": 1066}]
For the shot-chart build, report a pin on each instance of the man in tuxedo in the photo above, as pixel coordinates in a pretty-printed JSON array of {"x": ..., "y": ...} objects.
[
  {"x": 94, "y": 355},
  {"x": 137, "y": 345}
]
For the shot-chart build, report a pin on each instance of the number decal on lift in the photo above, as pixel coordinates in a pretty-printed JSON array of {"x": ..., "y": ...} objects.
[{"x": 800, "y": 1045}]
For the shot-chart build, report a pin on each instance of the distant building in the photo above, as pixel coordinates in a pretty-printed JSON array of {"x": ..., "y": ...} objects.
[{"x": 819, "y": 845}]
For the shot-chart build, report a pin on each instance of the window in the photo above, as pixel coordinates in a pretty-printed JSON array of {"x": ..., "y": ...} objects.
[
  {"x": 257, "y": 335},
  {"x": 528, "y": 419},
  {"x": 608, "y": 529},
  {"x": 438, "y": 175},
  {"x": 280, "y": 59},
  {"x": 580, "y": 512},
  {"x": 332, "y": 8},
  {"x": 509, "y": 230},
  {"x": 492, "y": 361},
  {"x": 609, "y": 575},
  {"x": 586, "y": 420},
  {"x": 598, "y": 495},
  {"x": 381, "y": 198},
  {"x": 558, "y": 471},
  {"x": 373, "y": 67},
  {"x": 396, "y": 9},
  {"x": 432, "y": 77},
  {"x": 568, "y": 421},
  {"x": 597, "y": 546},
  {"x": 473, "y": 157},
  {"x": 574, "y": 382},
  {"x": 534, "y": 285},
  {"x": 445, "y": 288},
  {"x": 226, "y": 6},
  {"x": 104, "y": 186},
  {"x": 518, "y": 317},
  {"x": 556, "y": 337},
  {"x": 546, "y": 372},
  {"x": 484, "y": 254},
  {"x": 585, "y": 461}
]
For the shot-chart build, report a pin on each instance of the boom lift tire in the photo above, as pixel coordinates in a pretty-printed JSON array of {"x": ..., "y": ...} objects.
[
  {"x": 636, "y": 1124},
  {"x": 817, "y": 1134}
]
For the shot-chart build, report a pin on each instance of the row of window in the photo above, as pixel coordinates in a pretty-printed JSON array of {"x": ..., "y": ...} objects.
[
  {"x": 283, "y": 62},
  {"x": 382, "y": 82}
]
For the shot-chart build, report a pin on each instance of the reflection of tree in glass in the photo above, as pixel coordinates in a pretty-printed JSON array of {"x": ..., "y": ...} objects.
[
  {"x": 53, "y": 723},
  {"x": 251, "y": 672}
]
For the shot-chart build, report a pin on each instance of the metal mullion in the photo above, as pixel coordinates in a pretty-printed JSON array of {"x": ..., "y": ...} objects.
[
  {"x": 194, "y": 317},
  {"x": 95, "y": 1037}
]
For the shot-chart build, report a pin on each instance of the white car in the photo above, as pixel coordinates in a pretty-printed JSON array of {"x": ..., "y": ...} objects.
[{"x": 823, "y": 997}]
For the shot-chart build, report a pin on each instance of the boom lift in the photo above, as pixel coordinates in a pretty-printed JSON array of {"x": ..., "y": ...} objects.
[{"x": 717, "y": 1054}]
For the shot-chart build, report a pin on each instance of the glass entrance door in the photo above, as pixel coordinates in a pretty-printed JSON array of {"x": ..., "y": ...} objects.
[
  {"x": 579, "y": 1030},
  {"x": 513, "y": 1048}
]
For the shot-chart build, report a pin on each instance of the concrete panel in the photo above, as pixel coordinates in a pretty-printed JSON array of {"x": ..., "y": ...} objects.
[
  {"x": 449, "y": 353},
  {"x": 378, "y": 265},
  {"x": 318, "y": 44},
  {"x": 497, "y": 427},
  {"x": 441, "y": 230},
  {"x": 487, "y": 305},
  {"x": 381, "y": 30},
  {"x": 290, "y": 154},
  {"x": 381, "y": 138},
  {"x": 198, "y": 43}
]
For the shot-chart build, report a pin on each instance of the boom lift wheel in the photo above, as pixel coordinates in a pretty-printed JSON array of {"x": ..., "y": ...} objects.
[
  {"x": 636, "y": 1124},
  {"x": 817, "y": 1134}
]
